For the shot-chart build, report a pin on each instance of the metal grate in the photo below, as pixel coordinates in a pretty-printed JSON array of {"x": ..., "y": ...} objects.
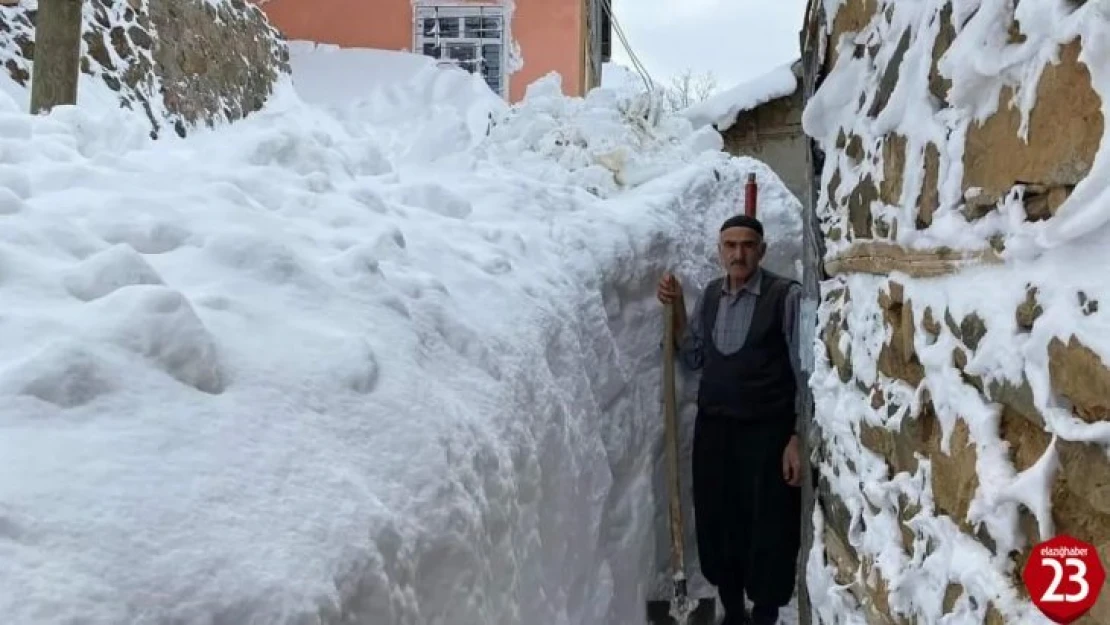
[{"x": 469, "y": 37}]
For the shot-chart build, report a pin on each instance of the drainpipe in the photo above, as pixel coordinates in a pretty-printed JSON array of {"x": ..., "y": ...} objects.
[{"x": 750, "y": 196}]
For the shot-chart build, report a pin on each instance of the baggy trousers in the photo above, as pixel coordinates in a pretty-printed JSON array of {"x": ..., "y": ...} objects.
[{"x": 747, "y": 518}]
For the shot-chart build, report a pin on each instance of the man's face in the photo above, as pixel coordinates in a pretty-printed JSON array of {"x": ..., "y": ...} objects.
[{"x": 741, "y": 250}]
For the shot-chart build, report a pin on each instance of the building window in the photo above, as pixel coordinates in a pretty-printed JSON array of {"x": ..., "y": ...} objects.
[
  {"x": 471, "y": 37},
  {"x": 606, "y": 35}
]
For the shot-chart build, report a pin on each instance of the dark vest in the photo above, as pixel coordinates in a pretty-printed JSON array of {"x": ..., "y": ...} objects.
[{"x": 756, "y": 382}]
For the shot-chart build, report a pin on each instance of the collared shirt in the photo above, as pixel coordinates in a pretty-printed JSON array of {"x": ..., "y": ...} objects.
[{"x": 734, "y": 318}]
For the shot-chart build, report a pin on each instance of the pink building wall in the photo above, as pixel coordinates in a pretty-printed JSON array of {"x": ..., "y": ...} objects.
[{"x": 551, "y": 33}]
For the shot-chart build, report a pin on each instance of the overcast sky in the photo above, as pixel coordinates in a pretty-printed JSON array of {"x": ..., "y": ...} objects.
[{"x": 735, "y": 39}]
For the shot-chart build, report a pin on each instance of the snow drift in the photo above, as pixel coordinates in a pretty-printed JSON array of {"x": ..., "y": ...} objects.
[{"x": 390, "y": 361}]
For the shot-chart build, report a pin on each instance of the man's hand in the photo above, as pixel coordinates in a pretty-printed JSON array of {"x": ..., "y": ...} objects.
[
  {"x": 792, "y": 462},
  {"x": 669, "y": 289}
]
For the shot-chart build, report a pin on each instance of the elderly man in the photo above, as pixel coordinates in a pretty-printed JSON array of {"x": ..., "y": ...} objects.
[{"x": 746, "y": 460}]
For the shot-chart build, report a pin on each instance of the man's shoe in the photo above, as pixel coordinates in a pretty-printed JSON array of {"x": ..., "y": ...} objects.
[
  {"x": 705, "y": 613},
  {"x": 737, "y": 619},
  {"x": 762, "y": 615}
]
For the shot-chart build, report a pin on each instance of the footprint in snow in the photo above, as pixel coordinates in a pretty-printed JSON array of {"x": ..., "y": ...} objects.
[
  {"x": 65, "y": 374},
  {"x": 10, "y": 203},
  {"x": 146, "y": 238},
  {"x": 437, "y": 199},
  {"x": 107, "y": 271}
]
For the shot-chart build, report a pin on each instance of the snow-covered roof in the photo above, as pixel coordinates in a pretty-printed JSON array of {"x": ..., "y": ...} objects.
[{"x": 722, "y": 109}]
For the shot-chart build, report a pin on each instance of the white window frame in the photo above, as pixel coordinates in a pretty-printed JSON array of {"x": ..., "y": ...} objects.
[{"x": 464, "y": 10}]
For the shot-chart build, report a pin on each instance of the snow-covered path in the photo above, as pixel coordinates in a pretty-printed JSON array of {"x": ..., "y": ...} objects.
[{"x": 351, "y": 364}]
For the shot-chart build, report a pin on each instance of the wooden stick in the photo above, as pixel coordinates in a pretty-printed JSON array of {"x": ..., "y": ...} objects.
[{"x": 671, "y": 418}]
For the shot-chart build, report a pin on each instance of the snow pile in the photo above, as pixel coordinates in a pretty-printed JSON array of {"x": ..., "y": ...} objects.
[
  {"x": 326, "y": 74},
  {"x": 722, "y": 109},
  {"x": 617, "y": 77},
  {"x": 432, "y": 111},
  {"x": 980, "y": 62},
  {"x": 387, "y": 362}
]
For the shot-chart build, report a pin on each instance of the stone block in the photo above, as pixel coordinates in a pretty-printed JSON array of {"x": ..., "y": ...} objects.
[
  {"x": 894, "y": 167},
  {"x": 929, "y": 199},
  {"x": 1029, "y": 310},
  {"x": 938, "y": 84},
  {"x": 1080, "y": 375},
  {"x": 831, "y": 337},
  {"x": 897, "y": 358},
  {"x": 851, "y": 17},
  {"x": 1065, "y": 128},
  {"x": 955, "y": 479}
]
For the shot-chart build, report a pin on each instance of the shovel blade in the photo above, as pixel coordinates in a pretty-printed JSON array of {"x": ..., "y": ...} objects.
[{"x": 658, "y": 613}]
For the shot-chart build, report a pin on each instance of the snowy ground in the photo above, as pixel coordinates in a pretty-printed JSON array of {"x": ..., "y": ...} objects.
[{"x": 347, "y": 360}]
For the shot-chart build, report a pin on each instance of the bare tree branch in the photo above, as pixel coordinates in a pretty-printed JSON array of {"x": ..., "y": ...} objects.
[{"x": 687, "y": 88}]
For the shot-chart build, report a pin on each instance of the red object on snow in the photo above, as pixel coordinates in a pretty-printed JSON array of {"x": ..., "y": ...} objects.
[{"x": 751, "y": 192}]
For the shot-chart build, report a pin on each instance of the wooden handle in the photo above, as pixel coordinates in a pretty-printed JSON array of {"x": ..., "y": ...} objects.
[{"x": 671, "y": 421}]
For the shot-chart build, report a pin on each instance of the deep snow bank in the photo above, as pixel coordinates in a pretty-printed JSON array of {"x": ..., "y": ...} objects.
[
  {"x": 328, "y": 75},
  {"x": 357, "y": 365}
]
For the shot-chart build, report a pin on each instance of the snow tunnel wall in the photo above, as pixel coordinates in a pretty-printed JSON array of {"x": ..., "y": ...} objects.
[
  {"x": 396, "y": 361},
  {"x": 961, "y": 379}
]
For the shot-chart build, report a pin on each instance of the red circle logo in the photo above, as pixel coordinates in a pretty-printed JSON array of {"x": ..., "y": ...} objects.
[{"x": 1064, "y": 577}]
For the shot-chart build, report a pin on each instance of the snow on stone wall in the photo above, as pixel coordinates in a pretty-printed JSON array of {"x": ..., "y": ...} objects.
[
  {"x": 962, "y": 387},
  {"x": 177, "y": 62}
]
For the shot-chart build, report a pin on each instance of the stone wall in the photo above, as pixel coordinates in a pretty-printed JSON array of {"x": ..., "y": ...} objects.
[
  {"x": 181, "y": 62},
  {"x": 962, "y": 370},
  {"x": 772, "y": 133}
]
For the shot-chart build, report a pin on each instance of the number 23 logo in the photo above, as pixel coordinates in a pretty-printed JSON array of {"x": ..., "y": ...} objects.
[{"x": 1079, "y": 577}]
